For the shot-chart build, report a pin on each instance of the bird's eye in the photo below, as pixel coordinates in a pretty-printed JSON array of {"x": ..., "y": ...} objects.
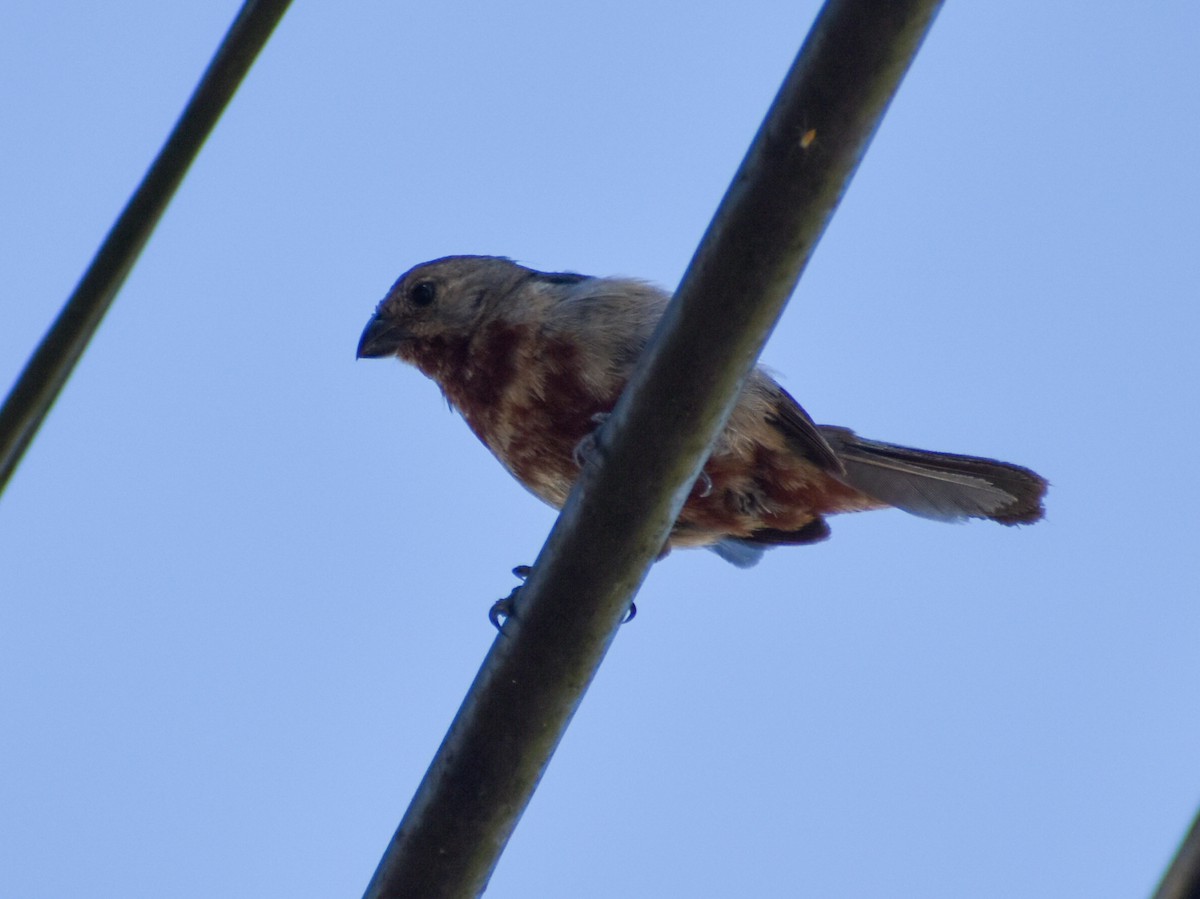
[{"x": 423, "y": 293}]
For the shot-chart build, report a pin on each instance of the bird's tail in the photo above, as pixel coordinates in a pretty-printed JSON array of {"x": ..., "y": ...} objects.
[{"x": 943, "y": 486}]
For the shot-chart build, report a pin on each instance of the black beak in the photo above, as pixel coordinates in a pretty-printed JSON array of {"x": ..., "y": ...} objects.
[{"x": 380, "y": 338}]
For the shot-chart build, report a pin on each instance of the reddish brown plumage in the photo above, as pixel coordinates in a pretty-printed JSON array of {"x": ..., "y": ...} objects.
[{"x": 534, "y": 362}]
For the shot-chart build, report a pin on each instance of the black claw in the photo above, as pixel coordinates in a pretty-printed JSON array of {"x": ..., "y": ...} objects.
[
  {"x": 586, "y": 448},
  {"x": 502, "y": 610}
]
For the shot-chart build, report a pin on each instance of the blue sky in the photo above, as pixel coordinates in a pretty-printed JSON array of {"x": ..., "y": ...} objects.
[{"x": 244, "y": 579}]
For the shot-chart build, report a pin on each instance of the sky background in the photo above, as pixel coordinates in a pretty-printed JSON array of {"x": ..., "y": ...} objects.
[{"x": 244, "y": 579}]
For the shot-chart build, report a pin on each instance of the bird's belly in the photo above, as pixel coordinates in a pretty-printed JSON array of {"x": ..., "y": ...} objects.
[{"x": 540, "y": 443}]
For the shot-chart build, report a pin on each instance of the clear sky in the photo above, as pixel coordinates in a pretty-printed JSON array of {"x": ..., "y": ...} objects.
[{"x": 244, "y": 580}]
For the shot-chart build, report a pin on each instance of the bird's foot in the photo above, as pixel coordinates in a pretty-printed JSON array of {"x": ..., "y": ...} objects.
[
  {"x": 588, "y": 447},
  {"x": 503, "y": 609}
]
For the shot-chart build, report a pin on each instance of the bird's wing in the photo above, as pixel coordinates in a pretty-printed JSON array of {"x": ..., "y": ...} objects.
[{"x": 790, "y": 418}]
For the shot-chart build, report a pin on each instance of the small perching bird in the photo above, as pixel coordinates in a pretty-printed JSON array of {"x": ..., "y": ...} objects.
[{"x": 534, "y": 361}]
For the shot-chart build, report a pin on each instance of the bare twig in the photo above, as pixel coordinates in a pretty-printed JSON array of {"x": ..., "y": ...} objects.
[
  {"x": 652, "y": 448},
  {"x": 51, "y": 364}
]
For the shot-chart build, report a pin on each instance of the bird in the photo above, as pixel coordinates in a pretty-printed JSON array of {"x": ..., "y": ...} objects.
[{"x": 534, "y": 361}]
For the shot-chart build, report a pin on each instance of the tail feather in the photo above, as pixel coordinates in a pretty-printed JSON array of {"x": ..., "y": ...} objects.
[{"x": 942, "y": 486}]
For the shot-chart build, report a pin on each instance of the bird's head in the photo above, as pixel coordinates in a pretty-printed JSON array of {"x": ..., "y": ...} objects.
[{"x": 443, "y": 301}]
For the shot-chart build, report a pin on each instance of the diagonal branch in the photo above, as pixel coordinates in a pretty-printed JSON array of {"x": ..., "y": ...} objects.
[
  {"x": 652, "y": 448},
  {"x": 47, "y": 371},
  {"x": 1182, "y": 878}
]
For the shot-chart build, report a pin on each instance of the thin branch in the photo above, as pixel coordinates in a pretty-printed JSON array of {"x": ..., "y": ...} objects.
[
  {"x": 652, "y": 448},
  {"x": 51, "y": 364},
  {"x": 1182, "y": 878}
]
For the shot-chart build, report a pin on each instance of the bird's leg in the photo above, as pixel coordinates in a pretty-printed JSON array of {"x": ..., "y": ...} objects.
[{"x": 586, "y": 448}]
